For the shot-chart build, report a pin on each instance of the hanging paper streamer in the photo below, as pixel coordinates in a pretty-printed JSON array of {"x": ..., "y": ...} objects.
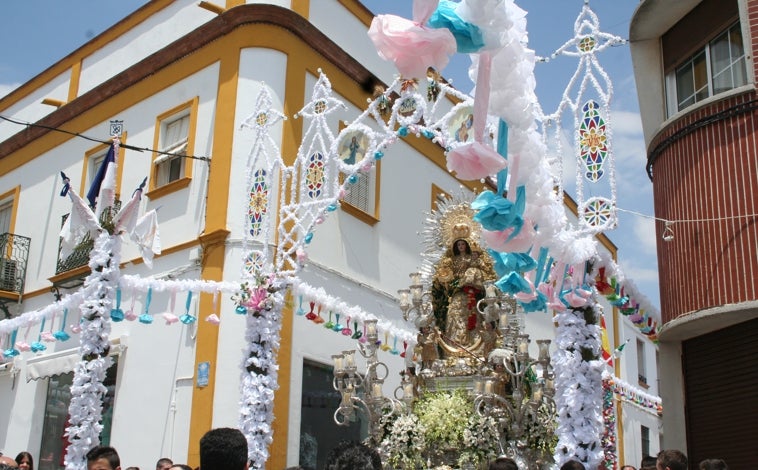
[
  {"x": 187, "y": 318},
  {"x": 146, "y": 318}
]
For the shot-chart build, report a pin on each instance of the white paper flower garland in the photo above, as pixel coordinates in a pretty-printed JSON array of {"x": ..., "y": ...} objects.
[
  {"x": 578, "y": 382},
  {"x": 87, "y": 390}
]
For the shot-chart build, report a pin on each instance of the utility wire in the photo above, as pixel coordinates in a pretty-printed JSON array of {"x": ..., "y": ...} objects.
[{"x": 107, "y": 142}]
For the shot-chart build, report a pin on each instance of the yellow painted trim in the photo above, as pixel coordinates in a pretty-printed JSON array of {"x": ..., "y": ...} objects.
[
  {"x": 73, "y": 84},
  {"x": 278, "y": 457},
  {"x": 214, "y": 252},
  {"x": 302, "y": 8},
  {"x": 358, "y": 10},
  {"x": 436, "y": 193},
  {"x": 14, "y": 193},
  {"x": 206, "y": 350},
  {"x": 192, "y": 106},
  {"x": 97, "y": 150},
  {"x": 234, "y": 3},
  {"x": 95, "y": 45},
  {"x": 620, "y": 432}
]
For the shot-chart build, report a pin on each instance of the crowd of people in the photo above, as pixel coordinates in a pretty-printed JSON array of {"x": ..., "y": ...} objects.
[{"x": 226, "y": 449}]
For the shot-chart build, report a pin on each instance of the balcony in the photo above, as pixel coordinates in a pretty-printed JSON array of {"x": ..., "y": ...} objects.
[
  {"x": 15, "y": 253},
  {"x": 70, "y": 272}
]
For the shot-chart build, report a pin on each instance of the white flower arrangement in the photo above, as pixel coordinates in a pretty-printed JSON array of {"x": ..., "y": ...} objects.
[{"x": 443, "y": 429}]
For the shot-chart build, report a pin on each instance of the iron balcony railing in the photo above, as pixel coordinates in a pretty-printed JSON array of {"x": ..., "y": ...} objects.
[
  {"x": 80, "y": 256},
  {"x": 15, "y": 254}
]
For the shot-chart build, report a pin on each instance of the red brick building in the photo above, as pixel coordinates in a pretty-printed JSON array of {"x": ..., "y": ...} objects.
[{"x": 696, "y": 79}]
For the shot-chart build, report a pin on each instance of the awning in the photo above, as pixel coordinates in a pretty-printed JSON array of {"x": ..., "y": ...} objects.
[{"x": 62, "y": 362}]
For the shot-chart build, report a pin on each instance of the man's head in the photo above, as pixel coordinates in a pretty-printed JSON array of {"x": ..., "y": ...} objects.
[
  {"x": 628, "y": 467},
  {"x": 349, "y": 455},
  {"x": 5, "y": 460},
  {"x": 648, "y": 461},
  {"x": 163, "y": 464},
  {"x": 713, "y": 464},
  {"x": 671, "y": 459},
  {"x": 573, "y": 465},
  {"x": 503, "y": 463},
  {"x": 103, "y": 458},
  {"x": 223, "y": 449}
]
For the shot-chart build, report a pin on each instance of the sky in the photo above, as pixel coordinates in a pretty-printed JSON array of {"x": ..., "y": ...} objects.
[{"x": 34, "y": 34}]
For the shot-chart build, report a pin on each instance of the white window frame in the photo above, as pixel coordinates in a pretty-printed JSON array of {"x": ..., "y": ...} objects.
[
  {"x": 164, "y": 163},
  {"x": 673, "y": 100}
]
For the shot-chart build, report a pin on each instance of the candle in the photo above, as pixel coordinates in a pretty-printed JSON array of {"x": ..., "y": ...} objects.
[
  {"x": 415, "y": 279},
  {"x": 405, "y": 300},
  {"x": 488, "y": 386},
  {"x": 349, "y": 359},
  {"x": 490, "y": 290},
  {"x": 503, "y": 320},
  {"x": 338, "y": 363},
  {"x": 544, "y": 348},
  {"x": 478, "y": 386},
  {"x": 523, "y": 344},
  {"x": 416, "y": 292},
  {"x": 408, "y": 390},
  {"x": 377, "y": 390},
  {"x": 371, "y": 328}
]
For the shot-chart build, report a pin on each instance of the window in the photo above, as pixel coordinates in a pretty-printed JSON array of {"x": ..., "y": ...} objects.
[
  {"x": 717, "y": 67},
  {"x": 318, "y": 431},
  {"x": 645, "y": 440},
  {"x": 362, "y": 198},
  {"x": 53, "y": 446},
  {"x": 641, "y": 370},
  {"x": 174, "y": 139},
  {"x": 6, "y": 212}
]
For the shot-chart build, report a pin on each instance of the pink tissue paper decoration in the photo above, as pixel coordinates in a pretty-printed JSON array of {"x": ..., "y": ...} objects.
[
  {"x": 413, "y": 48},
  {"x": 474, "y": 161},
  {"x": 47, "y": 337},
  {"x": 213, "y": 319},
  {"x": 170, "y": 318},
  {"x": 23, "y": 346},
  {"x": 498, "y": 241}
]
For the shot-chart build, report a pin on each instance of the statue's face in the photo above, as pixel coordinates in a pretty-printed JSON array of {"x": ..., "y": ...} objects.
[{"x": 461, "y": 245}]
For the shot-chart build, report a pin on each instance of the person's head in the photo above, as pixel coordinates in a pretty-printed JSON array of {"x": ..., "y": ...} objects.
[
  {"x": 503, "y": 463},
  {"x": 573, "y": 465},
  {"x": 5, "y": 460},
  {"x": 103, "y": 458},
  {"x": 6, "y": 466},
  {"x": 132, "y": 468},
  {"x": 180, "y": 466},
  {"x": 223, "y": 449},
  {"x": 628, "y": 467},
  {"x": 461, "y": 246},
  {"x": 671, "y": 459},
  {"x": 713, "y": 464},
  {"x": 648, "y": 461},
  {"x": 163, "y": 464},
  {"x": 25, "y": 461},
  {"x": 349, "y": 455}
]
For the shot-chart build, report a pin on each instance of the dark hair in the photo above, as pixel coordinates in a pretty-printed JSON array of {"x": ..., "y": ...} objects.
[
  {"x": 648, "y": 461},
  {"x": 104, "y": 452},
  {"x": 503, "y": 463},
  {"x": 673, "y": 459},
  {"x": 627, "y": 467},
  {"x": 21, "y": 456},
  {"x": 351, "y": 455},
  {"x": 573, "y": 465},
  {"x": 5, "y": 466},
  {"x": 223, "y": 449},
  {"x": 162, "y": 461},
  {"x": 456, "y": 251},
  {"x": 713, "y": 464},
  {"x": 182, "y": 466}
]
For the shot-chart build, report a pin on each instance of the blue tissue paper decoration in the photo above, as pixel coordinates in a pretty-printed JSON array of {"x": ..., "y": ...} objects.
[{"x": 468, "y": 36}]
